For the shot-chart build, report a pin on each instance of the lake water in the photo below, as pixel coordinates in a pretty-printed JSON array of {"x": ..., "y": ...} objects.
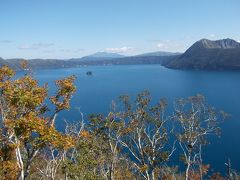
[{"x": 96, "y": 92}]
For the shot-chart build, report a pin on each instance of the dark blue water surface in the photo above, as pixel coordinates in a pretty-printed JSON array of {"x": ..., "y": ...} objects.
[{"x": 96, "y": 92}]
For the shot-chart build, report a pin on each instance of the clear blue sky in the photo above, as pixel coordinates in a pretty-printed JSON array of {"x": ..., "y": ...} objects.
[{"x": 74, "y": 28}]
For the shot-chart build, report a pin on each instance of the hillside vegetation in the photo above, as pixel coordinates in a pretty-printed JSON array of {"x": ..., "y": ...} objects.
[
  {"x": 209, "y": 55},
  {"x": 136, "y": 140}
]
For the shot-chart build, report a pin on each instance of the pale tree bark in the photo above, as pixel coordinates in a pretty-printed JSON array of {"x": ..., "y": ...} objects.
[{"x": 197, "y": 121}]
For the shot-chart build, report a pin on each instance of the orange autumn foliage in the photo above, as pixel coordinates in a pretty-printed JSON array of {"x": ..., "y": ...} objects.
[{"x": 24, "y": 122}]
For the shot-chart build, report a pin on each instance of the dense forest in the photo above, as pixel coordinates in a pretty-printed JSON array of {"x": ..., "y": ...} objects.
[
  {"x": 86, "y": 61},
  {"x": 135, "y": 140}
]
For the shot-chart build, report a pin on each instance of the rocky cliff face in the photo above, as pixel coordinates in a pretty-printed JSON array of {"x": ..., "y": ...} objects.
[{"x": 219, "y": 44}]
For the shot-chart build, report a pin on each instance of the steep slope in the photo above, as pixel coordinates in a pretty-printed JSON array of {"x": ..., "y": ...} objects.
[{"x": 212, "y": 55}]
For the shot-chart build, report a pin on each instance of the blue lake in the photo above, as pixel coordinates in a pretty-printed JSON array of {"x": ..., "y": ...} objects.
[{"x": 95, "y": 93}]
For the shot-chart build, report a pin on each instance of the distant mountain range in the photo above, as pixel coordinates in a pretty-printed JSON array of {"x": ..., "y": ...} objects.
[
  {"x": 204, "y": 55},
  {"x": 209, "y": 55},
  {"x": 99, "y": 58}
]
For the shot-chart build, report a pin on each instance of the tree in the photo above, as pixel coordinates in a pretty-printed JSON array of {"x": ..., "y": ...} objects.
[
  {"x": 25, "y": 127},
  {"x": 135, "y": 140},
  {"x": 98, "y": 153},
  {"x": 146, "y": 140},
  {"x": 196, "y": 121}
]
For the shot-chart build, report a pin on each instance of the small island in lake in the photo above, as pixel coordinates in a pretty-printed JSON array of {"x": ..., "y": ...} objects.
[{"x": 89, "y": 73}]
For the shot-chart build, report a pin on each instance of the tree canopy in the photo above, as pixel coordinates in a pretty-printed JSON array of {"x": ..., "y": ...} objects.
[{"x": 135, "y": 140}]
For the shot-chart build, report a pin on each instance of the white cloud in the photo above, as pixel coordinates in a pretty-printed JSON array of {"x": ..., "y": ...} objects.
[
  {"x": 24, "y": 47},
  {"x": 49, "y": 51},
  {"x": 238, "y": 41},
  {"x": 165, "y": 45},
  {"x": 171, "y": 46},
  {"x": 119, "y": 50},
  {"x": 72, "y": 50},
  {"x": 78, "y": 50},
  {"x": 160, "y": 45},
  {"x": 36, "y": 46},
  {"x": 212, "y": 35}
]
